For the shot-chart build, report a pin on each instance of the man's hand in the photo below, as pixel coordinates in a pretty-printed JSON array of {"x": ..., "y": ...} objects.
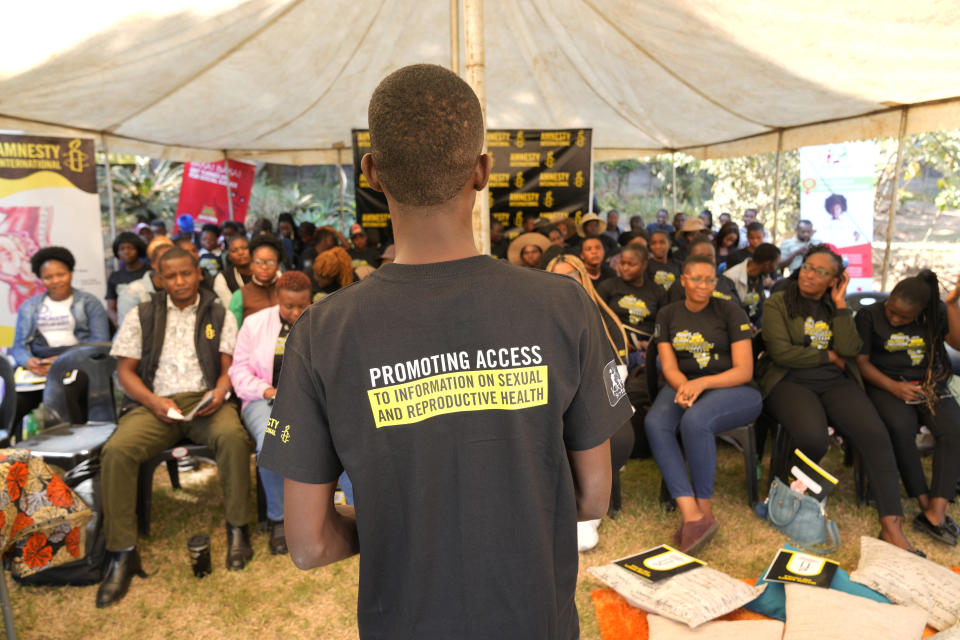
[
  {"x": 907, "y": 392},
  {"x": 839, "y": 293},
  {"x": 38, "y": 366},
  {"x": 837, "y": 360},
  {"x": 160, "y": 405},
  {"x": 688, "y": 392},
  {"x": 219, "y": 395}
]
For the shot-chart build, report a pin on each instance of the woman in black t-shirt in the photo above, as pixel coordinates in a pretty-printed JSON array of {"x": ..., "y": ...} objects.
[
  {"x": 906, "y": 368},
  {"x": 662, "y": 269},
  {"x": 810, "y": 379},
  {"x": 633, "y": 296},
  {"x": 621, "y": 443},
  {"x": 704, "y": 345}
]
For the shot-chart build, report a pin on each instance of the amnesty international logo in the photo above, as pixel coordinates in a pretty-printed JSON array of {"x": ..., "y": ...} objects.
[
  {"x": 819, "y": 333},
  {"x": 550, "y": 160},
  {"x": 694, "y": 343},
  {"x": 581, "y": 138},
  {"x": 208, "y": 332},
  {"x": 518, "y": 181},
  {"x": 578, "y": 180},
  {"x": 519, "y": 141},
  {"x": 634, "y": 306},
  {"x": 285, "y": 434},
  {"x": 77, "y": 160},
  {"x": 915, "y": 346},
  {"x": 548, "y": 199}
]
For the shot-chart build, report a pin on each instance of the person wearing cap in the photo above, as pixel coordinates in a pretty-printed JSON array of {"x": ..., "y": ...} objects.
[
  {"x": 361, "y": 254},
  {"x": 144, "y": 231},
  {"x": 527, "y": 249},
  {"x": 590, "y": 226},
  {"x": 130, "y": 250},
  {"x": 158, "y": 227}
]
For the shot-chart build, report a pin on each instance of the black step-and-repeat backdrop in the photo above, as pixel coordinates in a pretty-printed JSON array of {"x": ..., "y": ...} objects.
[{"x": 535, "y": 172}]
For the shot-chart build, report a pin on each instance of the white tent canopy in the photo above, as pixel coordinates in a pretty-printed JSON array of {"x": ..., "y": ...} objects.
[{"x": 285, "y": 80}]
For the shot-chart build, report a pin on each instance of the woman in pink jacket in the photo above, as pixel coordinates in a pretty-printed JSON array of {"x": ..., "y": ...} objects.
[{"x": 255, "y": 370}]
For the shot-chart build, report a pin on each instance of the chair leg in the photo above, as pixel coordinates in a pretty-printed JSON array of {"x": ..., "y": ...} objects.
[
  {"x": 261, "y": 502},
  {"x": 145, "y": 495},
  {"x": 750, "y": 466},
  {"x": 666, "y": 500},
  {"x": 860, "y": 480},
  {"x": 779, "y": 453},
  {"x": 174, "y": 472},
  {"x": 615, "y": 497}
]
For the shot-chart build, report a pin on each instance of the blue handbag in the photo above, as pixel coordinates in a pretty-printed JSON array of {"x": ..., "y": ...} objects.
[{"x": 802, "y": 518}]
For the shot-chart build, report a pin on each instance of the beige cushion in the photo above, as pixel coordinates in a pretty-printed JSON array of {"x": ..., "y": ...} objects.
[
  {"x": 663, "y": 629},
  {"x": 908, "y": 579},
  {"x": 693, "y": 597},
  {"x": 813, "y": 612},
  {"x": 953, "y": 633}
]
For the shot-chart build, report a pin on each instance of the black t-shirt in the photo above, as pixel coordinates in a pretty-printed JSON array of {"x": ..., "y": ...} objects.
[
  {"x": 635, "y": 306},
  {"x": 702, "y": 339},
  {"x": 279, "y": 350},
  {"x": 736, "y": 257},
  {"x": 453, "y": 424},
  {"x": 725, "y": 290},
  {"x": 898, "y": 352},
  {"x": 606, "y": 273},
  {"x": 818, "y": 334},
  {"x": 124, "y": 277},
  {"x": 367, "y": 256},
  {"x": 663, "y": 274}
]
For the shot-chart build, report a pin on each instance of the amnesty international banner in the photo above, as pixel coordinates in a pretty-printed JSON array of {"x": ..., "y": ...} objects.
[
  {"x": 48, "y": 196},
  {"x": 203, "y": 193},
  {"x": 838, "y": 182},
  {"x": 540, "y": 173}
]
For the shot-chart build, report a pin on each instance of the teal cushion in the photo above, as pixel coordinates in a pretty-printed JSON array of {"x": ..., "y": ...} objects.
[{"x": 772, "y": 602}]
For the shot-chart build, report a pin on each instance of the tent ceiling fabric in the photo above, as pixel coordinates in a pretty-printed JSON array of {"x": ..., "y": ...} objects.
[{"x": 286, "y": 80}]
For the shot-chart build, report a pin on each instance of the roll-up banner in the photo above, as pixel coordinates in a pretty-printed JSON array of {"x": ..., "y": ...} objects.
[
  {"x": 48, "y": 196},
  {"x": 203, "y": 193},
  {"x": 540, "y": 173},
  {"x": 838, "y": 182}
]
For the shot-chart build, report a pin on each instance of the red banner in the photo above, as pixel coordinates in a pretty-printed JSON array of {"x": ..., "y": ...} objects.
[{"x": 204, "y": 191}]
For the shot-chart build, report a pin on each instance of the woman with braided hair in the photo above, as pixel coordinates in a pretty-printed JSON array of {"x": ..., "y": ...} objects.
[
  {"x": 621, "y": 443},
  {"x": 809, "y": 379},
  {"x": 332, "y": 270},
  {"x": 906, "y": 368}
]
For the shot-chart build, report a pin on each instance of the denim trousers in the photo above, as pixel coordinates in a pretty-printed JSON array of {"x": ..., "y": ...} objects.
[{"x": 715, "y": 411}]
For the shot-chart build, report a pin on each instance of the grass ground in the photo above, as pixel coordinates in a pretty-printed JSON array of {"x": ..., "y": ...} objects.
[{"x": 272, "y": 599}]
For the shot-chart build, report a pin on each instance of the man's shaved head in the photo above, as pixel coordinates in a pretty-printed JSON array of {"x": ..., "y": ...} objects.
[{"x": 426, "y": 133}]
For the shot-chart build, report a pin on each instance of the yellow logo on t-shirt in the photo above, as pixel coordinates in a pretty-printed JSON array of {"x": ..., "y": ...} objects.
[
  {"x": 915, "y": 346},
  {"x": 694, "y": 344},
  {"x": 751, "y": 301},
  {"x": 209, "y": 332},
  {"x": 722, "y": 296},
  {"x": 664, "y": 278},
  {"x": 819, "y": 333},
  {"x": 745, "y": 327},
  {"x": 636, "y": 307}
]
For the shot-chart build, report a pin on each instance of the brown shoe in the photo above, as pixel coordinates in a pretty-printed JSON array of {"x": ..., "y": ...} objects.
[{"x": 697, "y": 533}]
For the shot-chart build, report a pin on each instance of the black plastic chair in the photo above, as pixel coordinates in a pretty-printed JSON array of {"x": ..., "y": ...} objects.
[
  {"x": 860, "y": 299},
  {"x": 743, "y": 438},
  {"x": 8, "y": 408},
  {"x": 96, "y": 363}
]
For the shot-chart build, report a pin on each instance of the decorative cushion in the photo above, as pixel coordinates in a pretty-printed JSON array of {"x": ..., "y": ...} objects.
[
  {"x": 773, "y": 601},
  {"x": 813, "y": 612},
  {"x": 693, "y": 597},
  {"x": 953, "y": 633},
  {"x": 663, "y": 629},
  {"x": 908, "y": 579}
]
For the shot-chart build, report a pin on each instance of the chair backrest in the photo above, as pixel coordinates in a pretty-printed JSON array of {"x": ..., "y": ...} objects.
[
  {"x": 95, "y": 361},
  {"x": 861, "y": 299},
  {"x": 8, "y": 408}
]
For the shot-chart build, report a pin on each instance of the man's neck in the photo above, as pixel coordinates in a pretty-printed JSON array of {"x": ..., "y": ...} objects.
[
  {"x": 593, "y": 269},
  {"x": 434, "y": 234},
  {"x": 183, "y": 305}
]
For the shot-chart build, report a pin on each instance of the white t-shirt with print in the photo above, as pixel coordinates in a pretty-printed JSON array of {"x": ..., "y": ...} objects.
[{"x": 56, "y": 322}]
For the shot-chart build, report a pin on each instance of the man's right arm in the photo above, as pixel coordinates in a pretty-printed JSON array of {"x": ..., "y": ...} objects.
[
  {"x": 592, "y": 477},
  {"x": 318, "y": 532},
  {"x": 134, "y": 387}
]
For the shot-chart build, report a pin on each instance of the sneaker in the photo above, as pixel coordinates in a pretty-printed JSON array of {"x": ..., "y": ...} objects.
[{"x": 587, "y": 536}]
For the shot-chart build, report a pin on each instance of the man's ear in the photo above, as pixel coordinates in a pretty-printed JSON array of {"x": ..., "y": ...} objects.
[
  {"x": 481, "y": 173},
  {"x": 366, "y": 165}
]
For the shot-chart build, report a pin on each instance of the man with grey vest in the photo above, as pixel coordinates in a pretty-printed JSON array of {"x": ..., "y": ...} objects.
[{"x": 171, "y": 351}]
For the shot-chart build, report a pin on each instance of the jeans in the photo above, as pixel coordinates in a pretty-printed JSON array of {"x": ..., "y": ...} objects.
[{"x": 715, "y": 411}]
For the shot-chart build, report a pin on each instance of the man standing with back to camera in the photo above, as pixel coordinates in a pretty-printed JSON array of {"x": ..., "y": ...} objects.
[{"x": 474, "y": 440}]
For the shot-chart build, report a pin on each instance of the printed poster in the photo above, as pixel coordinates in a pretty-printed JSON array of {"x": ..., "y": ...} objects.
[
  {"x": 838, "y": 183},
  {"x": 48, "y": 196},
  {"x": 203, "y": 193}
]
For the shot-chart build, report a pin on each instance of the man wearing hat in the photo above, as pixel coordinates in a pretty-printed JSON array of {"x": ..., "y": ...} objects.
[
  {"x": 590, "y": 225},
  {"x": 527, "y": 249},
  {"x": 691, "y": 227},
  {"x": 361, "y": 254}
]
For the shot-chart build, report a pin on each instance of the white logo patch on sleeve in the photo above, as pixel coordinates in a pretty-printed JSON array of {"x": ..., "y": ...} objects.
[{"x": 613, "y": 383}]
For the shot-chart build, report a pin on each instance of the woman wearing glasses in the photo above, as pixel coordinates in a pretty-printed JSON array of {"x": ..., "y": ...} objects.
[
  {"x": 266, "y": 251},
  {"x": 704, "y": 346},
  {"x": 809, "y": 379}
]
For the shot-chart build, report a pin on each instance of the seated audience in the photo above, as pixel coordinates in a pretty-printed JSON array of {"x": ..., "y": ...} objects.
[
  {"x": 144, "y": 231},
  {"x": 794, "y": 249},
  {"x": 332, "y": 270},
  {"x": 633, "y": 296},
  {"x": 749, "y": 217},
  {"x": 324, "y": 238},
  {"x": 590, "y": 227},
  {"x": 706, "y": 216},
  {"x": 266, "y": 250},
  {"x": 593, "y": 256},
  {"x": 228, "y": 231},
  {"x": 705, "y": 351},
  {"x": 139, "y": 291},
  {"x": 210, "y": 249},
  {"x": 187, "y": 244},
  {"x": 130, "y": 250},
  {"x": 498, "y": 241},
  {"x": 254, "y": 374},
  {"x": 725, "y": 242},
  {"x": 661, "y": 223},
  {"x": 166, "y": 365},
  {"x": 724, "y": 289},
  {"x": 810, "y": 379},
  {"x": 613, "y": 229},
  {"x": 158, "y": 227},
  {"x": 49, "y": 323},
  {"x": 636, "y": 223},
  {"x": 361, "y": 254},
  {"x": 663, "y": 270},
  {"x": 755, "y": 237},
  {"x": 621, "y": 443},
  {"x": 303, "y": 240},
  {"x": 678, "y": 221},
  {"x": 237, "y": 269},
  {"x": 724, "y": 218},
  {"x": 526, "y": 250},
  {"x": 286, "y": 225},
  {"x": 571, "y": 238},
  {"x": 691, "y": 229},
  {"x": 748, "y": 277},
  {"x": 906, "y": 368}
]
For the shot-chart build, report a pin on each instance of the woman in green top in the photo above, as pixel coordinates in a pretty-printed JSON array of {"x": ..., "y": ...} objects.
[{"x": 809, "y": 379}]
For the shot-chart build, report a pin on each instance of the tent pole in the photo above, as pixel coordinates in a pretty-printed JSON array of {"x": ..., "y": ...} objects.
[
  {"x": 106, "y": 163},
  {"x": 893, "y": 198},
  {"x": 476, "y": 77},
  {"x": 226, "y": 170},
  {"x": 776, "y": 188},
  {"x": 342, "y": 179},
  {"x": 455, "y": 36},
  {"x": 673, "y": 170}
]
